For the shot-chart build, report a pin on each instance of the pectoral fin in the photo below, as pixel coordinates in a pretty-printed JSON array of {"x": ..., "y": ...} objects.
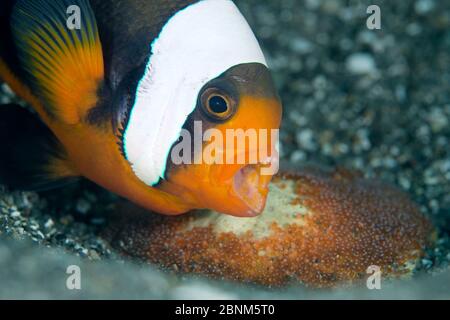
[{"x": 63, "y": 65}]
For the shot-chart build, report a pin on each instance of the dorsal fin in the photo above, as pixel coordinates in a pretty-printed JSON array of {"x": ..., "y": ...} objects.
[{"x": 64, "y": 67}]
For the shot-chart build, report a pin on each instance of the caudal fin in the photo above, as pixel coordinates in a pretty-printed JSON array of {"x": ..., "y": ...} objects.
[{"x": 31, "y": 157}]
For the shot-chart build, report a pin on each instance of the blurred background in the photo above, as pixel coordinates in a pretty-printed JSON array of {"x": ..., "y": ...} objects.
[{"x": 373, "y": 100}]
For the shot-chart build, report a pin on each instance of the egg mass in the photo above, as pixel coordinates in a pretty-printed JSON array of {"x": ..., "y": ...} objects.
[{"x": 320, "y": 228}]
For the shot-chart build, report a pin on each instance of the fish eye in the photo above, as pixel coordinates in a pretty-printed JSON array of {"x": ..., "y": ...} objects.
[{"x": 217, "y": 105}]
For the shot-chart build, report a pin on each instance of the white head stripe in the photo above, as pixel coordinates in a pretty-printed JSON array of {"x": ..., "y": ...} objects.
[{"x": 196, "y": 45}]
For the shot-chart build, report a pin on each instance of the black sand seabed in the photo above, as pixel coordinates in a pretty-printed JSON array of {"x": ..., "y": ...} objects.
[{"x": 376, "y": 101}]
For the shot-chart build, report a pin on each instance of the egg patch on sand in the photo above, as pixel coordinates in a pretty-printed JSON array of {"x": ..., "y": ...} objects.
[{"x": 320, "y": 228}]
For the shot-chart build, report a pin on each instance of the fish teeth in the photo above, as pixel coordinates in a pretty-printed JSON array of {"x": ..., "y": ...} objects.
[{"x": 266, "y": 161}]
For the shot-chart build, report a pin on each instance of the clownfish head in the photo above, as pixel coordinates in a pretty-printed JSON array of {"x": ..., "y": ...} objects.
[
  {"x": 203, "y": 121},
  {"x": 227, "y": 154}
]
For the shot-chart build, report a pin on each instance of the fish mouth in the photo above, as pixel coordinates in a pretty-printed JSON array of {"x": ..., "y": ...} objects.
[{"x": 251, "y": 186}]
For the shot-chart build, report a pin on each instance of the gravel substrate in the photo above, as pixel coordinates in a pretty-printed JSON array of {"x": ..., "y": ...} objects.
[{"x": 376, "y": 101}]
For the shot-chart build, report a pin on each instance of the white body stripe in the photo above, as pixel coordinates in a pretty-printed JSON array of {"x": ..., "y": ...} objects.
[{"x": 196, "y": 45}]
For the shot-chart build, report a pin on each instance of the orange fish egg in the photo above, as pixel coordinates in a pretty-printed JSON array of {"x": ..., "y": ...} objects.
[{"x": 320, "y": 228}]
